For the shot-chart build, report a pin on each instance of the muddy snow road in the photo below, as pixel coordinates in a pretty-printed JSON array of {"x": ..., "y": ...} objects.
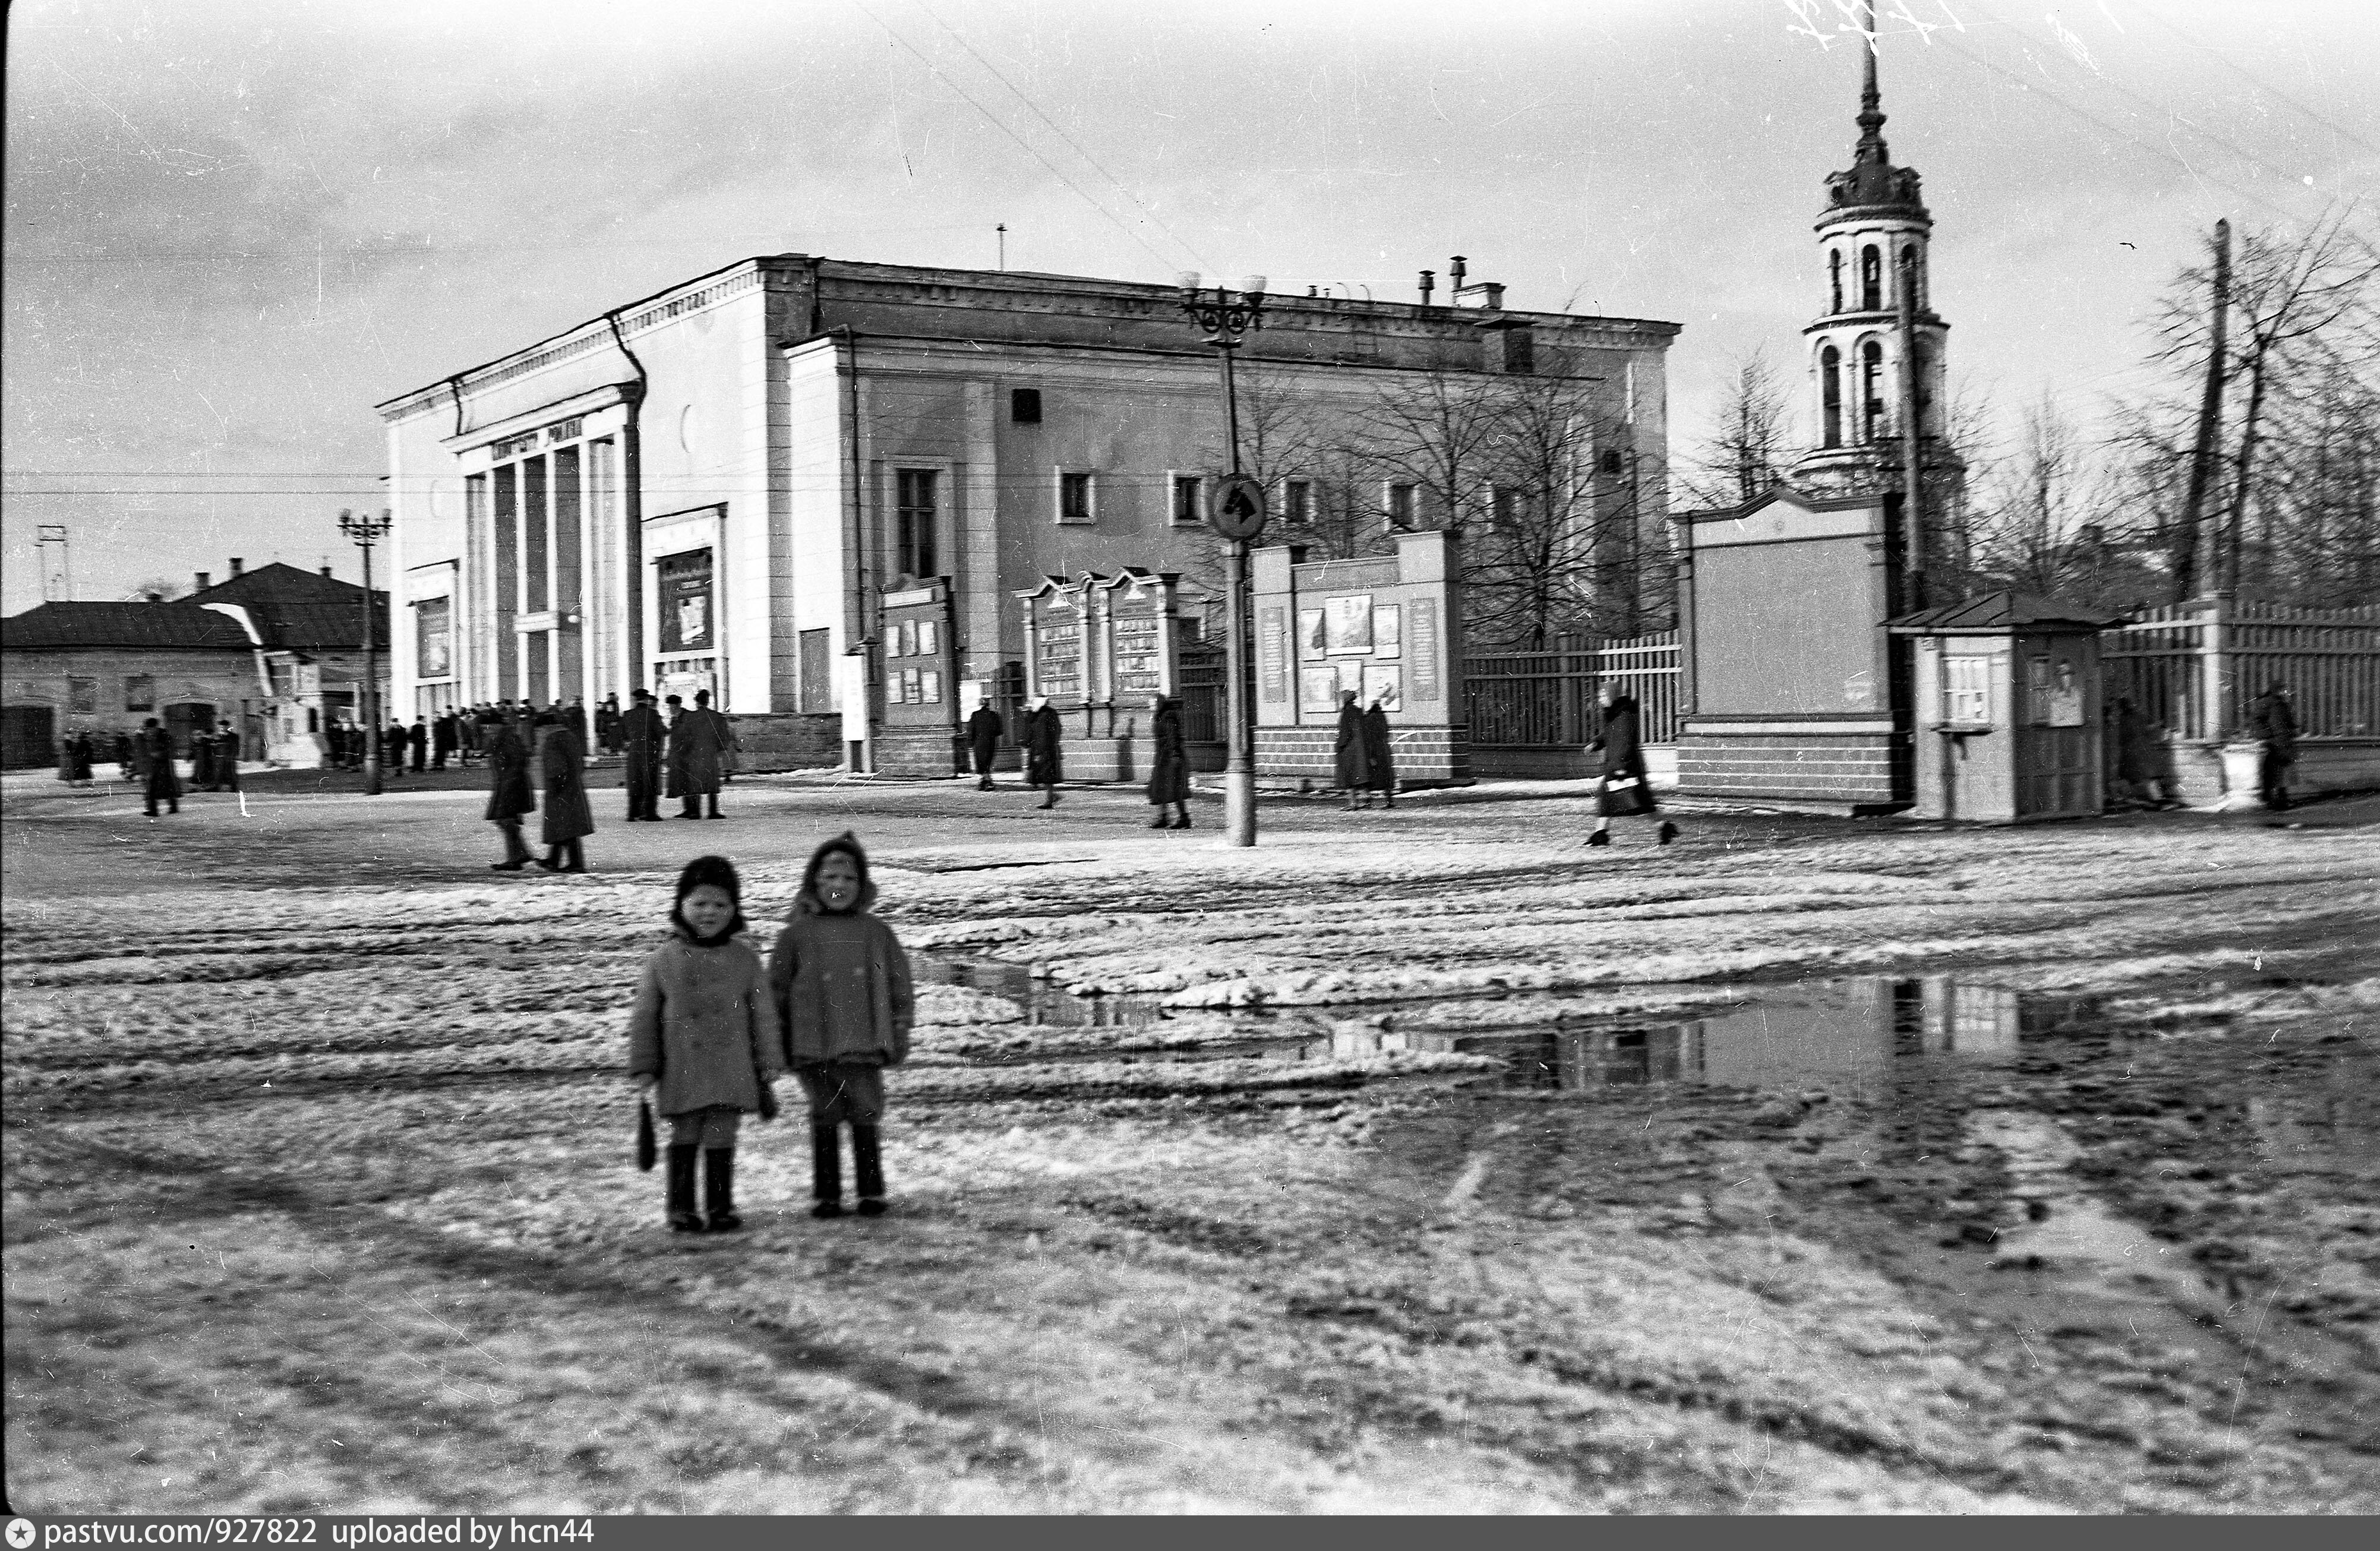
[{"x": 1424, "y": 1161}]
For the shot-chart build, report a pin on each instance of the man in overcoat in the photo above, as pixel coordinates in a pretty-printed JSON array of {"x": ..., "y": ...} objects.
[
  {"x": 1351, "y": 768},
  {"x": 607, "y": 724},
  {"x": 644, "y": 735},
  {"x": 416, "y": 739},
  {"x": 699, "y": 743},
  {"x": 509, "y": 796},
  {"x": 1168, "y": 764},
  {"x": 561, "y": 759},
  {"x": 1379, "y": 759},
  {"x": 226, "y": 766},
  {"x": 1042, "y": 735},
  {"x": 983, "y": 729},
  {"x": 445, "y": 737},
  {"x": 2275, "y": 722},
  {"x": 161, "y": 784}
]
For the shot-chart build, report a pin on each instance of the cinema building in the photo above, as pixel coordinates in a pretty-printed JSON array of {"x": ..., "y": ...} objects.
[{"x": 839, "y": 495}]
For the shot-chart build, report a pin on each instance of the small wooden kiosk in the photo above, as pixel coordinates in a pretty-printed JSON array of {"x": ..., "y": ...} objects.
[{"x": 2008, "y": 709}]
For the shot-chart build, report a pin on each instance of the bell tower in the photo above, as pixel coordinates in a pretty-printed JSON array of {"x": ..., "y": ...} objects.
[{"x": 1875, "y": 225}]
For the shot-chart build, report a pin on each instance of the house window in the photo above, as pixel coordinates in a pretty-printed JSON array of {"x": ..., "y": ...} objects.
[
  {"x": 140, "y": 693},
  {"x": 1871, "y": 390},
  {"x": 1025, "y": 406},
  {"x": 915, "y": 522},
  {"x": 1074, "y": 503},
  {"x": 82, "y": 697},
  {"x": 1401, "y": 507},
  {"x": 1504, "y": 506},
  {"x": 1297, "y": 503},
  {"x": 1189, "y": 500},
  {"x": 1967, "y": 691}
]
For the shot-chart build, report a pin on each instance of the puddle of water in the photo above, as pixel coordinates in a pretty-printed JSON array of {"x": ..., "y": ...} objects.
[{"x": 1846, "y": 1035}]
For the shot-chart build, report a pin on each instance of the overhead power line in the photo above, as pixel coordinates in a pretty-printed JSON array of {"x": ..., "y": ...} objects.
[{"x": 2268, "y": 88}]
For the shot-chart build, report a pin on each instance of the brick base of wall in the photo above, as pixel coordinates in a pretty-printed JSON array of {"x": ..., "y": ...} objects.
[
  {"x": 924, "y": 754},
  {"x": 1304, "y": 758},
  {"x": 789, "y": 741},
  {"x": 2195, "y": 774},
  {"x": 1854, "y": 770}
]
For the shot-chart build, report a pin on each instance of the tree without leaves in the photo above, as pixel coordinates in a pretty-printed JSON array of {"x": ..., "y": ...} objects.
[
  {"x": 1550, "y": 552},
  {"x": 1750, "y": 450}
]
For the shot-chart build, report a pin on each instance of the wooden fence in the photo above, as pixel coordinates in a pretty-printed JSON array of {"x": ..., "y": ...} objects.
[
  {"x": 1547, "y": 700},
  {"x": 2194, "y": 667}
]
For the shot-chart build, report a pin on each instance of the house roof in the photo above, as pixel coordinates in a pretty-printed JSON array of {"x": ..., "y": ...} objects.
[
  {"x": 2004, "y": 609},
  {"x": 297, "y": 610},
  {"x": 177, "y": 627}
]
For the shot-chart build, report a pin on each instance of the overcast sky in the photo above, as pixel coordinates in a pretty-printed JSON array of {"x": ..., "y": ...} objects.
[{"x": 233, "y": 225}]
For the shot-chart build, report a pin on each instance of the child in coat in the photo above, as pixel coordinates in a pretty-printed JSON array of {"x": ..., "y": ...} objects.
[
  {"x": 703, "y": 1040},
  {"x": 844, "y": 1002}
]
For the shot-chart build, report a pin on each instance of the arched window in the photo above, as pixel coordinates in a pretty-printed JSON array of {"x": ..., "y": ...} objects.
[
  {"x": 1871, "y": 389},
  {"x": 1831, "y": 392},
  {"x": 1916, "y": 278},
  {"x": 1871, "y": 279},
  {"x": 1835, "y": 280}
]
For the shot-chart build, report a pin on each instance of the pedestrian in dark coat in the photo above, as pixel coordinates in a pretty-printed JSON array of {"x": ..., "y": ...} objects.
[
  {"x": 160, "y": 783},
  {"x": 446, "y": 738},
  {"x": 983, "y": 729},
  {"x": 510, "y": 798},
  {"x": 1043, "y": 735},
  {"x": 66, "y": 759},
  {"x": 698, "y": 745},
  {"x": 2275, "y": 722},
  {"x": 643, "y": 735},
  {"x": 81, "y": 746},
  {"x": 124, "y": 756},
  {"x": 416, "y": 739},
  {"x": 393, "y": 747},
  {"x": 1168, "y": 764},
  {"x": 1624, "y": 788},
  {"x": 203, "y": 757},
  {"x": 703, "y": 1039},
  {"x": 1378, "y": 757},
  {"x": 1351, "y": 767},
  {"x": 607, "y": 724},
  {"x": 226, "y": 770},
  {"x": 576, "y": 719},
  {"x": 568, "y": 819},
  {"x": 844, "y": 1000}
]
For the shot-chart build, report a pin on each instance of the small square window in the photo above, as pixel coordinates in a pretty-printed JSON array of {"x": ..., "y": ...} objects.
[
  {"x": 1189, "y": 500},
  {"x": 1297, "y": 503},
  {"x": 1075, "y": 497},
  {"x": 1025, "y": 406}
]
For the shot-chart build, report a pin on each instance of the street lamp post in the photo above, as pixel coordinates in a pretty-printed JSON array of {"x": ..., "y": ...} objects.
[
  {"x": 365, "y": 530},
  {"x": 1225, "y": 322}
]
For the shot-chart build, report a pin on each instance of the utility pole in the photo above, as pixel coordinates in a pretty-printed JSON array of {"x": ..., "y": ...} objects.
[
  {"x": 1001, "y": 233},
  {"x": 2184, "y": 551},
  {"x": 1912, "y": 455},
  {"x": 365, "y": 530}
]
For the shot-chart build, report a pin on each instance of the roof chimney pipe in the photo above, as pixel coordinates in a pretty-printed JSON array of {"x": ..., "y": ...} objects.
[
  {"x": 1428, "y": 283},
  {"x": 202, "y": 582},
  {"x": 153, "y": 597},
  {"x": 326, "y": 570},
  {"x": 238, "y": 565}
]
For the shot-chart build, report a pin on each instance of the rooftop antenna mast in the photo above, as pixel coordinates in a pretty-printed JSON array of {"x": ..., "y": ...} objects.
[{"x": 1003, "y": 232}]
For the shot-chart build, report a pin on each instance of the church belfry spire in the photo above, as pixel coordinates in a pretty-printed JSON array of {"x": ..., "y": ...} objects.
[{"x": 1871, "y": 151}]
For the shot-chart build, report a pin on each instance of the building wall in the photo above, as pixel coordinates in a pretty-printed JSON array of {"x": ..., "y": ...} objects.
[{"x": 227, "y": 681}]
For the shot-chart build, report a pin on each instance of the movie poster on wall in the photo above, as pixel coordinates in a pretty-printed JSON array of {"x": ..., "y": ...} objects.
[
  {"x": 1387, "y": 629},
  {"x": 434, "y": 638},
  {"x": 1318, "y": 686},
  {"x": 1384, "y": 685},
  {"x": 688, "y": 621},
  {"x": 1347, "y": 624}
]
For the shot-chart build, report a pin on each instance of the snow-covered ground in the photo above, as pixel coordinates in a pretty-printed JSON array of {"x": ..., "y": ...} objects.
[{"x": 1424, "y": 1161}]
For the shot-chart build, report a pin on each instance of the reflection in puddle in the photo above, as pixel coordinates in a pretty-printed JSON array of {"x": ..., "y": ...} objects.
[
  {"x": 1839, "y": 1033},
  {"x": 1039, "y": 1000}
]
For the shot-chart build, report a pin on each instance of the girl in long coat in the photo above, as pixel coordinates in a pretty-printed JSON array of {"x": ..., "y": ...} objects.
[
  {"x": 1625, "y": 789},
  {"x": 1377, "y": 756},
  {"x": 846, "y": 1001},
  {"x": 1169, "y": 765},
  {"x": 1042, "y": 732},
  {"x": 1352, "y": 767},
  {"x": 509, "y": 796},
  {"x": 703, "y": 1040},
  {"x": 568, "y": 817}
]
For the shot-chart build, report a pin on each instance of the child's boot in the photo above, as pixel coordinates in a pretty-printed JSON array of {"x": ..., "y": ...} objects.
[
  {"x": 826, "y": 1172},
  {"x": 867, "y": 1166},
  {"x": 683, "y": 1218},
  {"x": 719, "y": 1189}
]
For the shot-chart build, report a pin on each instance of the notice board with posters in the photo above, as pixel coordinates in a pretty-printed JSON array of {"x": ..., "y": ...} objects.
[
  {"x": 1059, "y": 639},
  {"x": 687, "y": 594}
]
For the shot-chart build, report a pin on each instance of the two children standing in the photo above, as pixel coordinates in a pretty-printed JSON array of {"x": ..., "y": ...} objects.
[{"x": 714, "y": 1027}]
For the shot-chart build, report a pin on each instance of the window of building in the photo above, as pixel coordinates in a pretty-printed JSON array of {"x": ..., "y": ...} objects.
[
  {"x": 1831, "y": 392},
  {"x": 913, "y": 550},
  {"x": 1075, "y": 497},
  {"x": 1871, "y": 279},
  {"x": 140, "y": 693},
  {"x": 1189, "y": 500},
  {"x": 1871, "y": 390},
  {"x": 1297, "y": 503},
  {"x": 1835, "y": 280},
  {"x": 82, "y": 697},
  {"x": 1025, "y": 406},
  {"x": 1967, "y": 691},
  {"x": 1401, "y": 506},
  {"x": 1504, "y": 506}
]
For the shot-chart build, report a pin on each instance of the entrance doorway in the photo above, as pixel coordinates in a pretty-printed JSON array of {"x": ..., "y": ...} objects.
[{"x": 28, "y": 736}]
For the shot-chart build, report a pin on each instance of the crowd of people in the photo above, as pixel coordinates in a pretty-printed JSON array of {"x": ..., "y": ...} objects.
[{"x": 671, "y": 751}]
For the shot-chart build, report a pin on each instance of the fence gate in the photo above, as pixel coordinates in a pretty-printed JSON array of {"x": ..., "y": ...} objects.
[{"x": 1533, "y": 713}]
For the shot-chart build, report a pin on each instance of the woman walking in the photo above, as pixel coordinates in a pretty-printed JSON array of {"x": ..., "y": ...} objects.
[
  {"x": 509, "y": 796},
  {"x": 568, "y": 816},
  {"x": 1350, "y": 762},
  {"x": 1377, "y": 754},
  {"x": 1624, "y": 789},
  {"x": 1169, "y": 766}
]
